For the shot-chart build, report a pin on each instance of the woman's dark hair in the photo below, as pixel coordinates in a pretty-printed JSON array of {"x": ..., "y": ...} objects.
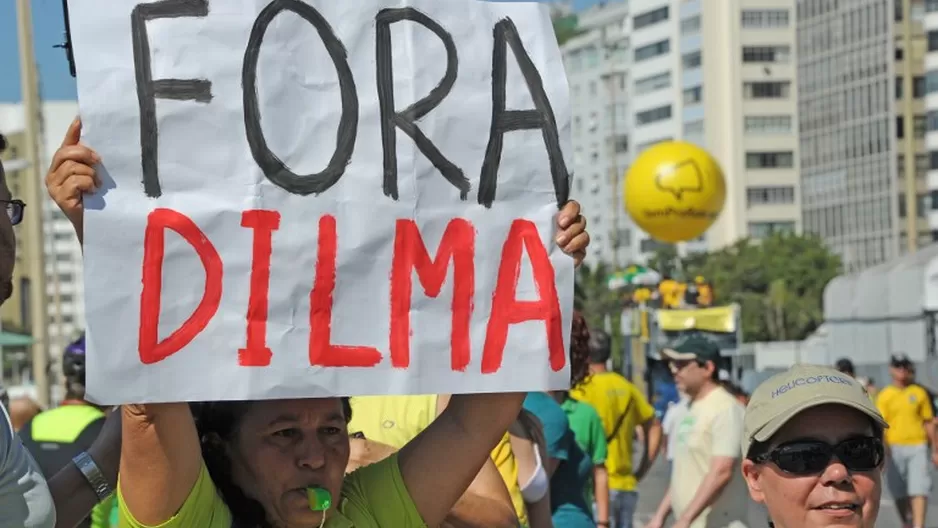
[
  {"x": 217, "y": 424},
  {"x": 579, "y": 350}
]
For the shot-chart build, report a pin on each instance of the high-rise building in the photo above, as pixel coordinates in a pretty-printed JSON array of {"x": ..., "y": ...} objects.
[
  {"x": 718, "y": 74},
  {"x": 931, "y": 103},
  {"x": 14, "y": 314},
  {"x": 64, "y": 281},
  {"x": 861, "y": 90}
]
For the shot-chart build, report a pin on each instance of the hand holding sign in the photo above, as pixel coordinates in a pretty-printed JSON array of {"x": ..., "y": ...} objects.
[
  {"x": 302, "y": 188},
  {"x": 72, "y": 175}
]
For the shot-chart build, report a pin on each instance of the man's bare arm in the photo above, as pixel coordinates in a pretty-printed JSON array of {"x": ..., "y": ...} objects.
[{"x": 72, "y": 494}]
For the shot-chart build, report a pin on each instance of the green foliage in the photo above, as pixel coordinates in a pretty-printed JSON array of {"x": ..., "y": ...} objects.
[
  {"x": 779, "y": 283},
  {"x": 565, "y": 28},
  {"x": 593, "y": 298}
]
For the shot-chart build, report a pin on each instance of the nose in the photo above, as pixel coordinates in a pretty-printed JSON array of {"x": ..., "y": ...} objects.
[
  {"x": 311, "y": 453},
  {"x": 835, "y": 473}
]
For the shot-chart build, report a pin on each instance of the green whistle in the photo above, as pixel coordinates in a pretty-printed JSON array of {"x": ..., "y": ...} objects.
[{"x": 319, "y": 499}]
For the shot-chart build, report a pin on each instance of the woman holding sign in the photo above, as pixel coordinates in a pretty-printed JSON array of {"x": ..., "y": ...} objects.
[{"x": 282, "y": 462}]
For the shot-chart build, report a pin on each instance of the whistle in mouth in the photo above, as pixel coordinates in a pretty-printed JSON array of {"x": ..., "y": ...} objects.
[{"x": 319, "y": 499}]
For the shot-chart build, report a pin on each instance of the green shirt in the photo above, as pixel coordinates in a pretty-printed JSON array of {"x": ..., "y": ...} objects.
[
  {"x": 589, "y": 434},
  {"x": 372, "y": 497}
]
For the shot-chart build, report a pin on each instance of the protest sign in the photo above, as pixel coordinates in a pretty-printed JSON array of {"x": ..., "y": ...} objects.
[{"x": 314, "y": 198}]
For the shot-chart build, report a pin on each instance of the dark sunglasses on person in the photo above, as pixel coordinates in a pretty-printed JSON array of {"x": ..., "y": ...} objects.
[
  {"x": 811, "y": 457},
  {"x": 14, "y": 210}
]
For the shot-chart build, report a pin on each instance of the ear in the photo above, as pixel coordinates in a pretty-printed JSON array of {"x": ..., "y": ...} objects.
[{"x": 752, "y": 472}]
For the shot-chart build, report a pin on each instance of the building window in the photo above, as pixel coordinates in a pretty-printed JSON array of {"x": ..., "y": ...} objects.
[
  {"x": 760, "y": 230},
  {"x": 918, "y": 87},
  {"x": 933, "y": 160},
  {"x": 899, "y": 85},
  {"x": 932, "y": 120},
  {"x": 693, "y": 95},
  {"x": 767, "y": 54},
  {"x": 768, "y": 125},
  {"x": 654, "y": 115},
  {"x": 653, "y": 83},
  {"x": 690, "y": 26},
  {"x": 770, "y": 160},
  {"x": 649, "y": 18},
  {"x": 694, "y": 128},
  {"x": 767, "y": 90},
  {"x": 692, "y": 60},
  {"x": 652, "y": 50},
  {"x": 648, "y": 144},
  {"x": 931, "y": 82},
  {"x": 770, "y": 195},
  {"x": 764, "y": 18},
  {"x": 933, "y": 40},
  {"x": 931, "y": 6},
  {"x": 919, "y": 126}
]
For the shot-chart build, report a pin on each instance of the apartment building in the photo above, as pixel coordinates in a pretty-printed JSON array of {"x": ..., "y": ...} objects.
[
  {"x": 862, "y": 101},
  {"x": 64, "y": 281},
  {"x": 718, "y": 74}
]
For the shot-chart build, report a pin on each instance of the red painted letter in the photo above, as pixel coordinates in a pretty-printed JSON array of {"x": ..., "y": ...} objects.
[
  {"x": 507, "y": 310},
  {"x": 410, "y": 253},
  {"x": 321, "y": 351},
  {"x": 264, "y": 223},
  {"x": 159, "y": 220}
]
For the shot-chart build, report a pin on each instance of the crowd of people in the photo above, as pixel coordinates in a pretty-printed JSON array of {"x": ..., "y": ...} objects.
[{"x": 810, "y": 444}]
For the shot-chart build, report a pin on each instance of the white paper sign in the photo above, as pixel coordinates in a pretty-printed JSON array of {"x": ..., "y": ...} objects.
[{"x": 321, "y": 197}]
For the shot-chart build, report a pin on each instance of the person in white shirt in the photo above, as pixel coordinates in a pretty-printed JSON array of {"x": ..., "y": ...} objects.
[
  {"x": 25, "y": 500},
  {"x": 672, "y": 418}
]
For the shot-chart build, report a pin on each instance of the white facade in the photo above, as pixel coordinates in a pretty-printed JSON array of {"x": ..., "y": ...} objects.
[
  {"x": 63, "y": 253},
  {"x": 597, "y": 64},
  {"x": 671, "y": 61},
  {"x": 931, "y": 106}
]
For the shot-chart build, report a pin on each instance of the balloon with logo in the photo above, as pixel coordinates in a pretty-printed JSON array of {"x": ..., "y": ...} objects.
[{"x": 674, "y": 191}]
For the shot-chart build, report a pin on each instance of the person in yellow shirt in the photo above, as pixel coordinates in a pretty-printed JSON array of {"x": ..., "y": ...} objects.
[
  {"x": 395, "y": 420},
  {"x": 622, "y": 408},
  {"x": 907, "y": 409}
]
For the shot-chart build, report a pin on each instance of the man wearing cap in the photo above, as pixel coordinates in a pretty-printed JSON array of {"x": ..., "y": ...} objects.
[
  {"x": 809, "y": 476},
  {"x": 707, "y": 489},
  {"x": 907, "y": 408}
]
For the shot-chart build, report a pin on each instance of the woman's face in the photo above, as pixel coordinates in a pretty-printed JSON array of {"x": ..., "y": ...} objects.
[
  {"x": 286, "y": 446},
  {"x": 833, "y": 497}
]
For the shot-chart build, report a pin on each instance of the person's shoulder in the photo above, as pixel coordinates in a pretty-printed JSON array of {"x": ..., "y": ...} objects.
[
  {"x": 375, "y": 495},
  {"x": 546, "y": 409}
]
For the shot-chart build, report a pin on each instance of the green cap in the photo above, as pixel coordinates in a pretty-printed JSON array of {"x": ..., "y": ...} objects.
[
  {"x": 694, "y": 348},
  {"x": 779, "y": 398},
  {"x": 319, "y": 499}
]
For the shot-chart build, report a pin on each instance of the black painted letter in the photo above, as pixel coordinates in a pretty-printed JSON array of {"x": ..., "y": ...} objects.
[
  {"x": 148, "y": 90},
  {"x": 406, "y": 120},
  {"x": 273, "y": 167},
  {"x": 503, "y": 120}
]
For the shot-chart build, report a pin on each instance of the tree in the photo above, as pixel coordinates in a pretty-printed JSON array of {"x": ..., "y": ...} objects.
[
  {"x": 565, "y": 28},
  {"x": 592, "y": 295},
  {"x": 665, "y": 260},
  {"x": 778, "y": 282}
]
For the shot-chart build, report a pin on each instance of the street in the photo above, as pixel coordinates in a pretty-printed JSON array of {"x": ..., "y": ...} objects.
[{"x": 652, "y": 488}]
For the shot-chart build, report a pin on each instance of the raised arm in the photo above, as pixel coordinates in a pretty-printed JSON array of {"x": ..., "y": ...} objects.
[
  {"x": 160, "y": 460},
  {"x": 160, "y": 456},
  {"x": 460, "y": 440}
]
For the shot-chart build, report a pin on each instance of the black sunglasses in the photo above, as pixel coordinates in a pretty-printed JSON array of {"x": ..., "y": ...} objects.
[
  {"x": 811, "y": 457},
  {"x": 14, "y": 210}
]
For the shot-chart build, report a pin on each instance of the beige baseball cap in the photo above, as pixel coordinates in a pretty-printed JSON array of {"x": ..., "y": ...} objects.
[{"x": 779, "y": 398}]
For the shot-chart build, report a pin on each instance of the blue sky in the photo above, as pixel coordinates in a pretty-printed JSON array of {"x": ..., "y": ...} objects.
[{"x": 49, "y": 30}]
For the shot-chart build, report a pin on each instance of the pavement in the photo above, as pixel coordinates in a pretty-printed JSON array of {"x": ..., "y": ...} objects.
[{"x": 652, "y": 488}]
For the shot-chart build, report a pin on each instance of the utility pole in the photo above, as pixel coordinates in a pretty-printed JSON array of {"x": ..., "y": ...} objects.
[{"x": 35, "y": 246}]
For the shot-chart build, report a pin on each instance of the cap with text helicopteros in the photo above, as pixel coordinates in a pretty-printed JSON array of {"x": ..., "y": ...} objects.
[{"x": 781, "y": 397}]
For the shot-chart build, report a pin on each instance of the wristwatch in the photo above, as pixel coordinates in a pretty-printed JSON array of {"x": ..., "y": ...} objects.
[{"x": 93, "y": 475}]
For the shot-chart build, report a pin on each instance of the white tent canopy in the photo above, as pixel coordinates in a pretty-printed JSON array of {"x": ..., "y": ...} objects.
[{"x": 883, "y": 310}]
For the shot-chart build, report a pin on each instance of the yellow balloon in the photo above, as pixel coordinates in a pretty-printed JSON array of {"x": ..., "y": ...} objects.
[{"x": 674, "y": 191}]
